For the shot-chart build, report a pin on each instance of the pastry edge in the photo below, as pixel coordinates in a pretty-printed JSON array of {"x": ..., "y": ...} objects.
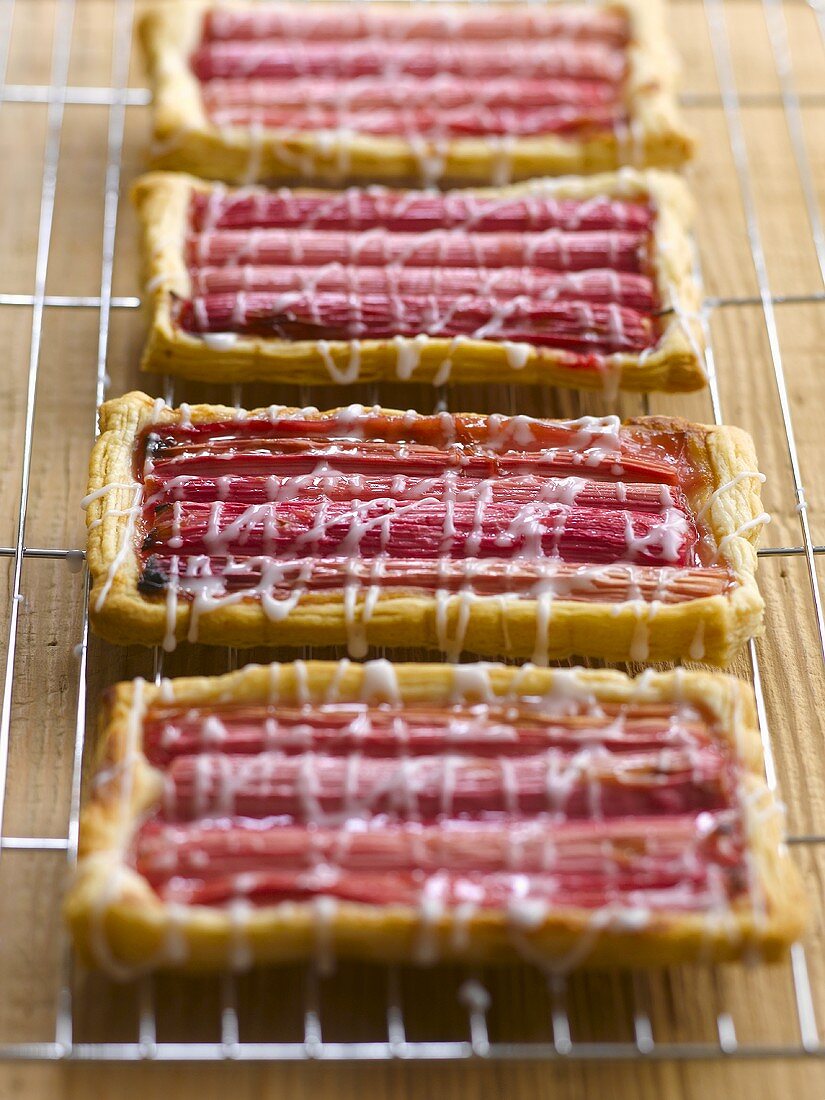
[
  {"x": 184, "y": 138},
  {"x": 674, "y": 364},
  {"x": 601, "y": 630},
  {"x": 120, "y": 924}
]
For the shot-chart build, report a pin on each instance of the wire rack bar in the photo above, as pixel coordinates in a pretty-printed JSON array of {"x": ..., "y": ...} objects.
[
  {"x": 36, "y": 843},
  {"x": 720, "y": 45},
  {"x": 778, "y": 300},
  {"x": 91, "y": 301},
  {"x": 380, "y": 1050},
  {"x": 76, "y": 96},
  {"x": 778, "y": 36},
  {"x": 396, "y": 1028},
  {"x": 63, "y": 301},
  {"x": 59, "y": 73},
  {"x": 89, "y": 96},
  {"x": 6, "y": 14},
  {"x": 72, "y": 554},
  {"x": 561, "y": 1042},
  {"x": 57, "y": 552},
  {"x": 147, "y": 1024},
  {"x": 121, "y": 53}
]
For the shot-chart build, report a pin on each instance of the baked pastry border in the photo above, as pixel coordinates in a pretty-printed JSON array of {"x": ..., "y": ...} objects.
[
  {"x": 185, "y": 139},
  {"x": 675, "y": 363},
  {"x": 120, "y": 924},
  {"x": 710, "y": 628}
]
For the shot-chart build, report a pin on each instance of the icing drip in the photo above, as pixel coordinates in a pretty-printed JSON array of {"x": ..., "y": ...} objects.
[
  {"x": 697, "y": 646},
  {"x": 749, "y": 525},
  {"x": 127, "y": 540}
]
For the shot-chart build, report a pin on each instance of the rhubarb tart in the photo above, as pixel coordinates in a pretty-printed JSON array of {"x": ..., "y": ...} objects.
[
  {"x": 423, "y": 812},
  {"x": 403, "y": 92},
  {"x": 487, "y": 534},
  {"x": 577, "y": 282}
]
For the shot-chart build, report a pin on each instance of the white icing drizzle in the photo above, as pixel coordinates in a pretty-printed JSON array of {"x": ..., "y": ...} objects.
[
  {"x": 640, "y": 642},
  {"x": 749, "y": 525},
  {"x": 220, "y": 341},
  {"x": 241, "y": 955},
  {"x": 175, "y": 950},
  {"x": 431, "y": 913},
  {"x": 324, "y": 911},
  {"x": 256, "y": 136},
  {"x": 408, "y": 352},
  {"x": 529, "y": 537},
  {"x": 604, "y": 324},
  {"x": 697, "y": 645},
  {"x": 726, "y": 487},
  {"x": 517, "y": 355},
  {"x": 170, "y": 639},
  {"x": 126, "y": 542},
  {"x": 104, "y": 490},
  {"x": 471, "y": 683},
  {"x": 380, "y": 682}
]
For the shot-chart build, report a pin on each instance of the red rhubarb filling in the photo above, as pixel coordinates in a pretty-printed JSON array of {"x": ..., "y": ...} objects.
[
  {"x": 574, "y": 276},
  {"x": 279, "y": 509},
  {"x": 520, "y": 806},
  {"x": 575, "y": 22},
  {"x": 427, "y": 76}
]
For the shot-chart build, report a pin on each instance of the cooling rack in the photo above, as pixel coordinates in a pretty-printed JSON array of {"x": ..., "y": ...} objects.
[{"x": 756, "y": 90}]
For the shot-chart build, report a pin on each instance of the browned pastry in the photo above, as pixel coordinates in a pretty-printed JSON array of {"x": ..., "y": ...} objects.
[
  {"x": 491, "y": 535},
  {"x": 576, "y": 282},
  {"x": 569, "y": 817},
  {"x": 334, "y": 93}
]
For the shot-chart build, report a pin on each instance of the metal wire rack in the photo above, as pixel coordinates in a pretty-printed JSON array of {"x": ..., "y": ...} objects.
[{"x": 286, "y": 1015}]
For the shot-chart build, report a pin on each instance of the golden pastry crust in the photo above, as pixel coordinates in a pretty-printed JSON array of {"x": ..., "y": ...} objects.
[
  {"x": 711, "y": 628},
  {"x": 185, "y": 138},
  {"x": 120, "y": 924},
  {"x": 675, "y": 363}
]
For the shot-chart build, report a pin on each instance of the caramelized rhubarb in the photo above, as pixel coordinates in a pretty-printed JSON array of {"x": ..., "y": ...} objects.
[{"x": 278, "y": 509}]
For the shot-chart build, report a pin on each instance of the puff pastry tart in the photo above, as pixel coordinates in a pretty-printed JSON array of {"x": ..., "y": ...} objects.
[
  {"x": 390, "y": 92},
  {"x": 492, "y": 535},
  {"x": 583, "y": 283},
  {"x": 425, "y": 811}
]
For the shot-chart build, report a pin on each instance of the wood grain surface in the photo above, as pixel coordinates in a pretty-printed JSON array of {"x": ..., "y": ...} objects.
[{"x": 684, "y": 1005}]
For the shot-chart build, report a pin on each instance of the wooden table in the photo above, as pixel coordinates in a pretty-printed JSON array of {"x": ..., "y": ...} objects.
[{"x": 752, "y": 203}]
